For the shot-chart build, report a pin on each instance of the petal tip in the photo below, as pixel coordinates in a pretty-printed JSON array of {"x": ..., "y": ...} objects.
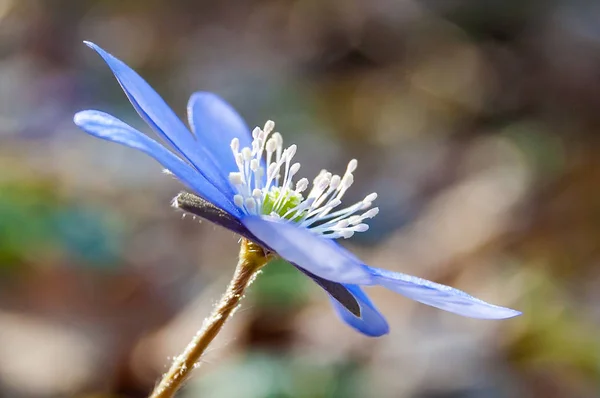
[
  {"x": 78, "y": 118},
  {"x": 90, "y": 44},
  {"x": 510, "y": 313},
  {"x": 98, "y": 49}
]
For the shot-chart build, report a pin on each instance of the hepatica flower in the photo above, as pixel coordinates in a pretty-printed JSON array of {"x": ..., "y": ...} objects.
[{"x": 247, "y": 182}]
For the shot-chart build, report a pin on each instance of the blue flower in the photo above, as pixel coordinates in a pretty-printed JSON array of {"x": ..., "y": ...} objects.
[{"x": 246, "y": 178}]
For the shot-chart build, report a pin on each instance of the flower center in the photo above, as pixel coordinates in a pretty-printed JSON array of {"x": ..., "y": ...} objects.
[
  {"x": 274, "y": 194},
  {"x": 281, "y": 201}
]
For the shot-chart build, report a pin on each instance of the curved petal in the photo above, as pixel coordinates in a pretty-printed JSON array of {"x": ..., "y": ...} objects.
[
  {"x": 371, "y": 322},
  {"x": 313, "y": 253},
  {"x": 440, "y": 296},
  {"x": 107, "y": 127},
  {"x": 353, "y": 306},
  {"x": 153, "y": 109},
  {"x": 215, "y": 123}
]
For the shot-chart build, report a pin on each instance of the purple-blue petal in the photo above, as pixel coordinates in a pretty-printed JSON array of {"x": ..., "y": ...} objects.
[
  {"x": 215, "y": 124},
  {"x": 371, "y": 322},
  {"x": 317, "y": 255},
  {"x": 441, "y": 296},
  {"x": 153, "y": 109},
  {"x": 107, "y": 127}
]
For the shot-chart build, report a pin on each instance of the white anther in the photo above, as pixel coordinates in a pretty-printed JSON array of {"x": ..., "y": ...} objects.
[
  {"x": 371, "y": 213},
  {"x": 250, "y": 204},
  {"x": 271, "y": 145},
  {"x": 238, "y": 200},
  {"x": 301, "y": 185},
  {"x": 352, "y": 166},
  {"x": 294, "y": 169},
  {"x": 370, "y": 197},
  {"x": 346, "y": 233},
  {"x": 254, "y": 164},
  {"x": 256, "y": 193},
  {"x": 272, "y": 170},
  {"x": 236, "y": 178},
  {"x": 342, "y": 224},
  {"x": 235, "y": 145},
  {"x": 269, "y": 126},
  {"x": 354, "y": 220},
  {"x": 322, "y": 183},
  {"x": 247, "y": 154},
  {"x": 335, "y": 181},
  {"x": 239, "y": 159},
  {"x": 333, "y": 203},
  {"x": 360, "y": 228},
  {"x": 278, "y": 138},
  {"x": 256, "y": 132},
  {"x": 347, "y": 181},
  {"x": 291, "y": 151}
]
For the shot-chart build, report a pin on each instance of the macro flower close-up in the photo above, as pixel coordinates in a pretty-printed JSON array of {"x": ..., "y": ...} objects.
[
  {"x": 299, "y": 199},
  {"x": 246, "y": 181}
]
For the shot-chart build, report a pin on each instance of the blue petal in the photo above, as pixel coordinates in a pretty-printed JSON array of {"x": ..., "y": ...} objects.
[
  {"x": 371, "y": 322},
  {"x": 107, "y": 127},
  {"x": 318, "y": 255},
  {"x": 153, "y": 109},
  {"x": 440, "y": 296},
  {"x": 215, "y": 123}
]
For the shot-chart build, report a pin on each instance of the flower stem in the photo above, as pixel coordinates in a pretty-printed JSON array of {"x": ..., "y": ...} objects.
[{"x": 252, "y": 258}]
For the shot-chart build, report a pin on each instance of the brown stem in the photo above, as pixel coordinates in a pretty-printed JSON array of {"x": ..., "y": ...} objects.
[{"x": 252, "y": 257}]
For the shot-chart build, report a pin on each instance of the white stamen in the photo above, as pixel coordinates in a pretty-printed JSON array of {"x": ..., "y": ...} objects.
[
  {"x": 238, "y": 200},
  {"x": 250, "y": 204},
  {"x": 236, "y": 178},
  {"x": 370, "y": 197},
  {"x": 257, "y": 185},
  {"x": 360, "y": 228},
  {"x": 235, "y": 145},
  {"x": 271, "y": 145},
  {"x": 301, "y": 185},
  {"x": 247, "y": 154},
  {"x": 371, "y": 213},
  {"x": 352, "y": 166},
  {"x": 269, "y": 126}
]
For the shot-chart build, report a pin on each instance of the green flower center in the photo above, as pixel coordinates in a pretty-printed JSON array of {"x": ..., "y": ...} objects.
[{"x": 281, "y": 201}]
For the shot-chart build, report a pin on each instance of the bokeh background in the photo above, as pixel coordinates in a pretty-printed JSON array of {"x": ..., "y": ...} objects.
[{"x": 476, "y": 122}]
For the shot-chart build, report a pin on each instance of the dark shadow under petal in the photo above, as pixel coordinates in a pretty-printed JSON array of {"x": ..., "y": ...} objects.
[
  {"x": 353, "y": 306},
  {"x": 337, "y": 291}
]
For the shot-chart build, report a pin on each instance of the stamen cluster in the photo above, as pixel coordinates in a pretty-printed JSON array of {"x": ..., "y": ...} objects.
[{"x": 278, "y": 197}]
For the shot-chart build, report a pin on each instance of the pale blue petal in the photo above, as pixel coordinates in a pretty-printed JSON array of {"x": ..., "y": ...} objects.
[
  {"x": 440, "y": 296},
  {"x": 318, "y": 255},
  {"x": 215, "y": 123},
  {"x": 153, "y": 109},
  {"x": 107, "y": 127},
  {"x": 371, "y": 322}
]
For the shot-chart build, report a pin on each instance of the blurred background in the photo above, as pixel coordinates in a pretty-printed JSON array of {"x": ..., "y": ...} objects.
[{"x": 476, "y": 121}]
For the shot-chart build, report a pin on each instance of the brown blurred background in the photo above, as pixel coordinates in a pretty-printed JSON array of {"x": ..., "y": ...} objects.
[{"x": 476, "y": 122}]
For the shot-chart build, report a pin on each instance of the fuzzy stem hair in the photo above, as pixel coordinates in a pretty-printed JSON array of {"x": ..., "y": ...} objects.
[{"x": 252, "y": 258}]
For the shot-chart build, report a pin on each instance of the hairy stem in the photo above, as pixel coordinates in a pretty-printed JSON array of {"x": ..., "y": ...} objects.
[{"x": 252, "y": 258}]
